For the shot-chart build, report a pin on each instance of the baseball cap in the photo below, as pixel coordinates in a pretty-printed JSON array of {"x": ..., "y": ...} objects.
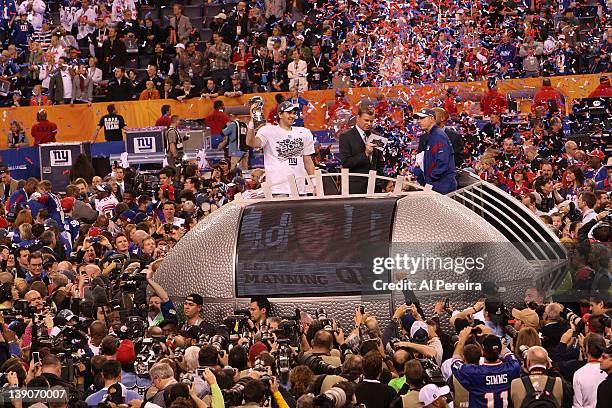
[
  {"x": 127, "y": 215},
  {"x": 419, "y": 332},
  {"x": 67, "y": 315},
  {"x": 609, "y": 162},
  {"x": 299, "y": 37},
  {"x": 423, "y": 113},
  {"x": 191, "y": 332},
  {"x": 221, "y": 16},
  {"x": 195, "y": 298},
  {"x": 116, "y": 393},
  {"x": 527, "y": 316},
  {"x": 67, "y": 203},
  {"x": 139, "y": 217},
  {"x": 18, "y": 327},
  {"x": 50, "y": 223},
  {"x": 180, "y": 45},
  {"x": 495, "y": 308},
  {"x": 597, "y": 153},
  {"x": 105, "y": 187},
  {"x": 126, "y": 353},
  {"x": 288, "y": 106},
  {"x": 432, "y": 392},
  {"x": 491, "y": 343}
]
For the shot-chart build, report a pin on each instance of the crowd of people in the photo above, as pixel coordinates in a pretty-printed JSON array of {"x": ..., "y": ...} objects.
[
  {"x": 82, "y": 311},
  {"x": 83, "y": 315},
  {"x": 125, "y": 49}
]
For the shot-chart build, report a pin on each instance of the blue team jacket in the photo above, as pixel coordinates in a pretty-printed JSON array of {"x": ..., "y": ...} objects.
[{"x": 439, "y": 162}]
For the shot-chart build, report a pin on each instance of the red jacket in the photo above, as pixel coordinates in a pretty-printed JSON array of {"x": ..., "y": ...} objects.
[
  {"x": 546, "y": 94},
  {"x": 216, "y": 121},
  {"x": 44, "y": 101},
  {"x": 601, "y": 91},
  {"x": 163, "y": 120},
  {"x": 44, "y": 132},
  {"x": 493, "y": 102}
]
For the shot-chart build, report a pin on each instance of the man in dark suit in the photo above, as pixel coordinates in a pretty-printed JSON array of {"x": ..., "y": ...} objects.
[
  {"x": 120, "y": 87},
  {"x": 356, "y": 154},
  {"x": 8, "y": 185}
]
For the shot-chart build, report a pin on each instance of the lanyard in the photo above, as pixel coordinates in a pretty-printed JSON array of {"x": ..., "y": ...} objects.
[
  {"x": 101, "y": 35},
  {"x": 317, "y": 63}
]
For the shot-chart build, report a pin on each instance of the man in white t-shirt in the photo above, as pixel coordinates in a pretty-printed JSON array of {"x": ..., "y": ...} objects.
[{"x": 287, "y": 150}]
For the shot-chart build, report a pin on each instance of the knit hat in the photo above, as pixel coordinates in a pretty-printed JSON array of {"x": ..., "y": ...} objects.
[
  {"x": 126, "y": 353},
  {"x": 255, "y": 350}
]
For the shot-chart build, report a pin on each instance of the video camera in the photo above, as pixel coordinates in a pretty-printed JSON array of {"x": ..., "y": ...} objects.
[
  {"x": 237, "y": 325},
  {"x": 220, "y": 340},
  {"x": 288, "y": 331},
  {"x": 150, "y": 350},
  {"x": 321, "y": 315},
  {"x": 134, "y": 328},
  {"x": 130, "y": 283}
]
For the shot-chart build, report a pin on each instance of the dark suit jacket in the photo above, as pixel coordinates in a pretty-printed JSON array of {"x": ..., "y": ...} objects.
[
  {"x": 353, "y": 157},
  {"x": 119, "y": 91},
  {"x": 12, "y": 188},
  {"x": 551, "y": 334},
  {"x": 56, "y": 88}
]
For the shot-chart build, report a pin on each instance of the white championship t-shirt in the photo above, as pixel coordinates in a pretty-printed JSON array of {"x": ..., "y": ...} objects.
[{"x": 284, "y": 152}]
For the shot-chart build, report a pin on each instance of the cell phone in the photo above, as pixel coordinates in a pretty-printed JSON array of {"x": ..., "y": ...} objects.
[
  {"x": 446, "y": 303},
  {"x": 200, "y": 372},
  {"x": 35, "y": 357},
  {"x": 362, "y": 309},
  {"x": 167, "y": 228}
]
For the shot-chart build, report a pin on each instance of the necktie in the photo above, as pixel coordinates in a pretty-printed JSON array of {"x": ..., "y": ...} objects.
[{"x": 366, "y": 134}]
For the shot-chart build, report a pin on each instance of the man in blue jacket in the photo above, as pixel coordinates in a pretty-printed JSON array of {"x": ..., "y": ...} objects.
[{"x": 438, "y": 160}]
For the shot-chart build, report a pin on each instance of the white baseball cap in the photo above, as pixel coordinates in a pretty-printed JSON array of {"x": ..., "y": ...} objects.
[{"x": 432, "y": 392}]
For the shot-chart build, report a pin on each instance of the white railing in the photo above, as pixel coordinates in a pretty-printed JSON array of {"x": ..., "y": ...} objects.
[{"x": 315, "y": 188}]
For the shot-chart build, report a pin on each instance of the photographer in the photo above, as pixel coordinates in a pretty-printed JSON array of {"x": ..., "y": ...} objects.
[
  {"x": 423, "y": 341},
  {"x": 322, "y": 344},
  {"x": 162, "y": 377},
  {"x": 254, "y": 394},
  {"x": 538, "y": 381},
  {"x": 51, "y": 370},
  {"x": 259, "y": 310},
  {"x": 160, "y": 306},
  {"x": 371, "y": 391},
  {"x": 192, "y": 308},
  {"x": 408, "y": 394}
]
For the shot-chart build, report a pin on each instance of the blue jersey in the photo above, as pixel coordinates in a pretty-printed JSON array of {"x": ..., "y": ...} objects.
[
  {"x": 72, "y": 227},
  {"x": 489, "y": 383}
]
